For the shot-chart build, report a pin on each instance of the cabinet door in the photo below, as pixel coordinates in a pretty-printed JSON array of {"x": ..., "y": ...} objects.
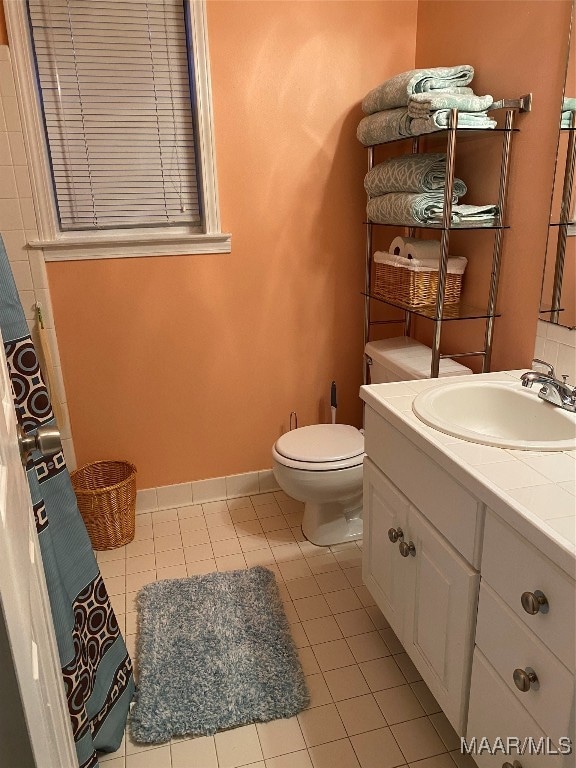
[
  {"x": 383, "y": 569},
  {"x": 440, "y": 620}
]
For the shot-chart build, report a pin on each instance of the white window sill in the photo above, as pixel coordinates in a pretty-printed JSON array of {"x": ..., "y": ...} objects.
[{"x": 131, "y": 244}]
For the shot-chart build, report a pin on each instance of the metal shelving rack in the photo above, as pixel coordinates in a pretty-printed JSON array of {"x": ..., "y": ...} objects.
[{"x": 439, "y": 313}]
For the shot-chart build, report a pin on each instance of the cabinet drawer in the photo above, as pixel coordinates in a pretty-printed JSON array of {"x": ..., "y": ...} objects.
[
  {"x": 511, "y": 566},
  {"x": 446, "y": 504},
  {"x": 509, "y": 645},
  {"x": 494, "y": 713}
]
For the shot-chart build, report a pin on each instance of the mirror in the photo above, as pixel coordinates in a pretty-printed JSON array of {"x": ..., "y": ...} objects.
[{"x": 558, "y": 300}]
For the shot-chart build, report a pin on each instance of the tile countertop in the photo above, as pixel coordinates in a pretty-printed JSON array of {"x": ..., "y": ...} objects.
[{"x": 533, "y": 491}]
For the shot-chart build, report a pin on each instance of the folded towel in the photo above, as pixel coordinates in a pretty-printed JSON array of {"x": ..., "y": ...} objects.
[
  {"x": 384, "y": 126},
  {"x": 422, "y": 104},
  {"x": 405, "y": 208},
  {"x": 566, "y": 119},
  {"x": 468, "y": 213},
  {"x": 455, "y": 265},
  {"x": 410, "y": 173},
  {"x": 439, "y": 120},
  {"x": 393, "y": 124},
  {"x": 568, "y": 103},
  {"x": 395, "y": 92}
]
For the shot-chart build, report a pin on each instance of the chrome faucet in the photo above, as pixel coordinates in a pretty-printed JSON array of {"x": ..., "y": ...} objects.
[{"x": 557, "y": 392}]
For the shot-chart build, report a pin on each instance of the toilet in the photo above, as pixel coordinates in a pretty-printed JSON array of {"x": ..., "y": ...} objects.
[{"x": 321, "y": 464}]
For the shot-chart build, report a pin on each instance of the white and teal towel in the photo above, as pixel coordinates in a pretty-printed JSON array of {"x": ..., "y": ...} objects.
[
  {"x": 393, "y": 124},
  {"x": 422, "y": 104},
  {"x": 396, "y": 91},
  {"x": 568, "y": 106},
  {"x": 411, "y": 173},
  {"x": 406, "y": 208}
]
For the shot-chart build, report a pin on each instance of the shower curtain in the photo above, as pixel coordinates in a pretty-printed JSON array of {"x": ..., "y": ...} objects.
[{"x": 96, "y": 667}]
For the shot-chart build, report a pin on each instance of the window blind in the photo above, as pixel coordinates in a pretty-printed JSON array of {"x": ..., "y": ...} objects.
[{"x": 114, "y": 84}]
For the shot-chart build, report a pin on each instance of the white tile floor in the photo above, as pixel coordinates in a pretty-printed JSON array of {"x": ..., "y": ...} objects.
[{"x": 369, "y": 708}]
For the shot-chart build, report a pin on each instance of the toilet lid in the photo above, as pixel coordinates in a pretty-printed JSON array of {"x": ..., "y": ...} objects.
[{"x": 321, "y": 443}]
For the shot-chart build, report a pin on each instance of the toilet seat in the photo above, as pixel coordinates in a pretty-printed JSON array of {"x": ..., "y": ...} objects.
[{"x": 320, "y": 448}]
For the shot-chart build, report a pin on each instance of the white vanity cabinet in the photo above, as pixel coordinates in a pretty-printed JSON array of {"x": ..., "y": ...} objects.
[{"x": 424, "y": 587}]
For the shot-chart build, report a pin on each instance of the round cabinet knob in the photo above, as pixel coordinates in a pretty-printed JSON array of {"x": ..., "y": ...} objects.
[
  {"x": 407, "y": 549},
  {"x": 525, "y": 679},
  {"x": 534, "y": 602},
  {"x": 395, "y": 534}
]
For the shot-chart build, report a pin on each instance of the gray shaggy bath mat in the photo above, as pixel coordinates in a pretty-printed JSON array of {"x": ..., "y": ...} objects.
[{"x": 214, "y": 652}]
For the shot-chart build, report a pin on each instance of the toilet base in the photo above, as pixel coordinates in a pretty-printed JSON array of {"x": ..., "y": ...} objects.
[{"x": 331, "y": 523}]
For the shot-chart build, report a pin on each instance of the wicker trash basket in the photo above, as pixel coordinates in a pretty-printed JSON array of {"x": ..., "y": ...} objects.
[
  {"x": 106, "y": 495},
  {"x": 398, "y": 281}
]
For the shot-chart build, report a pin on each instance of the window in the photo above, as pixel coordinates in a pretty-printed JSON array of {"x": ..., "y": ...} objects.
[{"x": 116, "y": 96}]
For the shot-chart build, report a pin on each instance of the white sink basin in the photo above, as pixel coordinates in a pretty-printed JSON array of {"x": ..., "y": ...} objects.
[{"x": 499, "y": 414}]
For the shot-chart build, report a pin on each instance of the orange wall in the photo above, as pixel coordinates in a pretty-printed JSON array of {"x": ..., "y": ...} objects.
[
  {"x": 3, "y": 34},
  {"x": 190, "y": 366},
  {"x": 515, "y": 48}
]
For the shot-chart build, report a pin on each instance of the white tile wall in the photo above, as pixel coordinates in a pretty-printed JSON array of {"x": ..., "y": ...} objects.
[
  {"x": 557, "y": 345},
  {"x": 17, "y": 224}
]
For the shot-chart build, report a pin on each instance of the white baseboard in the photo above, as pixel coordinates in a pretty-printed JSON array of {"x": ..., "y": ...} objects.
[{"x": 201, "y": 491}]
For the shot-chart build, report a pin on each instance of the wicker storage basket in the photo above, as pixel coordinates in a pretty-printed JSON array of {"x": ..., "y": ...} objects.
[
  {"x": 413, "y": 288},
  {"x": 106, "y": 495}
]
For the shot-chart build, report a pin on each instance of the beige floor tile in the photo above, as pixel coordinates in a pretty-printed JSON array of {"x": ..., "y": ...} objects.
[
  {"x": 390, "y": 639},
  {"x": 349, "y": 558},
  {"x": 337, "y": 754},
  {"x": 462, "y": 761},
  {"x": 425, "y": 697},
  {"x": 278, "y": 537},
  {"x": 194, "y": 753},
  {"x": 364, "y": 595},
  {"x": 399, "y": 704},
  {"x": 170, "y": 528},
  {"x": 319, "y": 693},
  {"x": 274, "y": 523},
  {"x": 260, "y": 499},
  {"x": 333, "y": 581},
  {"x": 360, "y": 715},
  {"x": 294, "y": 519},
  {"x": 333, "y": 655},
  {"x": 377, "y": 617},
  {"x": 304, "y": 587},
  {"x": 279, "y": 737},
  {"x": 238, "y": 746},
  {"x": 299, "y": 636},
  {"x": 322, "y": 630},
  {"x": 114, "y": 568},
  {"x": 211, "y": 507},
  {"x": 445, "y": 730},
  {"x": 407, "y": 666},
  {"x": 355, "y": 622},
  {"x": 290, "y": 612},
  {"x": 231, "y": 563},
  {"x": 343, "y": 600},
  {"x": 140, "y": 563},
  {"x": 217, "y": 519},
  {"x": 137, "y": 548},
  {"x": 321, "y": 725},
  {"x": 163, "y": 543},
  {"x": 226, "y": 547},
  {"x": 382, "y": 673},
  {"x": 199, "y": 552},
  {"x": 354, "y": 576},
  {"x": 164, "y": 516},
  {"x": 346, "y": 683},
  {"x": 221, "y": 532},
  {"x": 417, "y": 739},
  {"x": 308, "y": 661},
  {"x": 242, "y": 502},
  {"x": 192, "y": 510},
  {"x": 311, "y": 607},
  {"x": 193, "y": 524},
  {"x": 249, "y": 528},
  {"x": 194, "y": 537},
  {"x": 106, "y": 555},
  {"x": 251, "y": 543},
  {"x": 243, "y": 514},
  {"x": 259, "y": 557},
  {"x": 200, "y": 567},
  {"x": 120, "y": 762},
  {"x": 271, "y": 509},
  {"x": 134, "y": 581},
  {"x": 169, "y": 558},
  {"x": 294, "y": 569},
  {"x": 118, "y": 603},
  {"x": 115, "y": 585},
  {"x": 172, "y": 572},
  {"x": 438, "y": 761},
  {"x": 377, "y": 749},
  {"x": 293, "y": 760},
  {"x": 150, "y": 758},
  {"x": 368, "y": 646},
  {"x": 323, "y": 563},
  {"x": 131, "y": 623},
  {"x": 284, "y": 552},
  {"x": 131, "y": 605},
  {"x": 143, "y": 532}
]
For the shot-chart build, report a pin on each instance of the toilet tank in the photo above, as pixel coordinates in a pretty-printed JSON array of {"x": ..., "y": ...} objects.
[{"x": 403, "y": 359}]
